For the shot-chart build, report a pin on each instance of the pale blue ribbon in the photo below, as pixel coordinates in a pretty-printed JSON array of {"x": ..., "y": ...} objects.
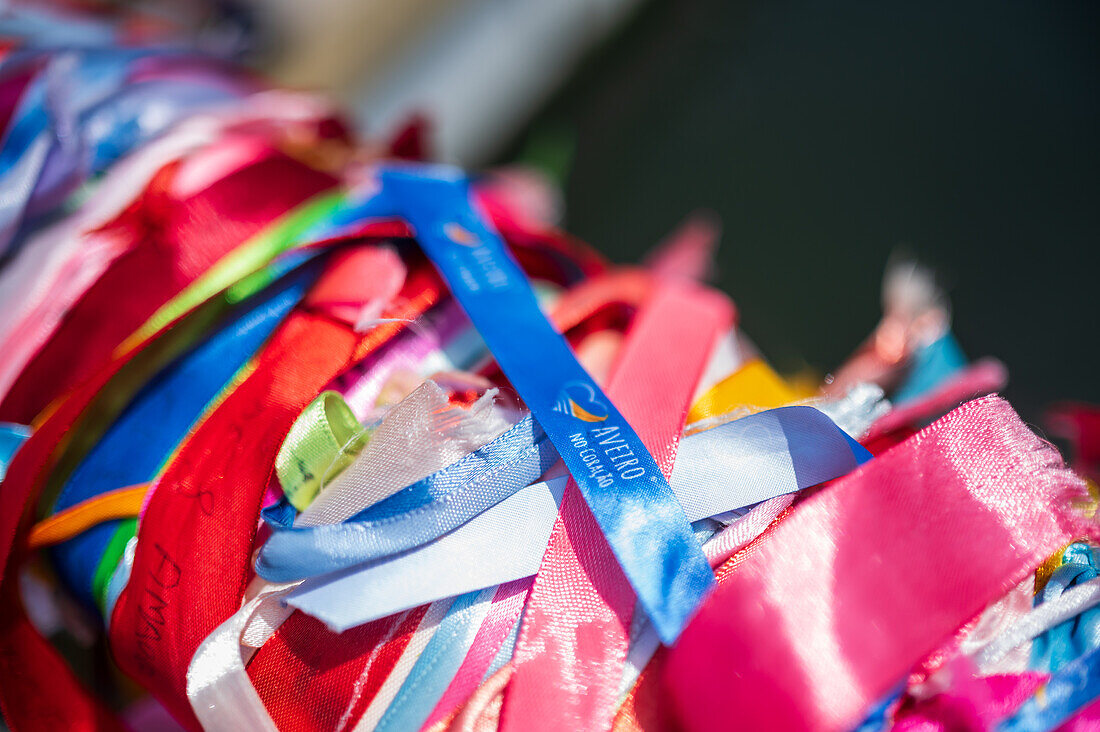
[
  {"x": 725, "y": 468},
  {"x": 438, "y": 664},
  {"x": 12, "y": 437}
]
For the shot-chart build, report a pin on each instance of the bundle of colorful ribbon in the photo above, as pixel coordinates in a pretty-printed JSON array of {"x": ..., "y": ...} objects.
[{"x": 303, "y": 435}]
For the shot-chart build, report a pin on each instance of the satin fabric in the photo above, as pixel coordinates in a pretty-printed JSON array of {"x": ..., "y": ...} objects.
[
  {"x": 85, "y": 108},
  {"x": 411, "y": 517},
  {"x": 345, "y": 673},
  {"x": 292, "y": 621},
  {"x": 29, "y": 663},
  {"x": 207, "y": 500},
  {"x": 323, "y": 440},
  {"x": 445, "y": 341},
  {"x": 932, "y": 365},
  {"x": 173, "y": 245},
  {"x": 490, "y": 649},
  {"x": 438, "y": 663},
  {"x": 728, "y": 467},
  {"x": 496, "y": 295},
  {"x": 40, "y": 285},
  {"x": 489, "y": 639},
  {"x": 453, "y": 564},
  {"x": 575, "y": 629},
  {"x": 813, "y": 644},
  {"x": 419, "y": 435},
  {"x": 64, "y": 525},
  {"x": 1073, "y": 638},
  {"x": 1071, "y": 690},
  {"x": 1059, "y": 618},
  {"x": 144, "y": 436}
]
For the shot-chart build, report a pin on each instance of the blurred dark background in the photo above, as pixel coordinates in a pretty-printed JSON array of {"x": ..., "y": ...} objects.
[{"x": 827, "y": 135}]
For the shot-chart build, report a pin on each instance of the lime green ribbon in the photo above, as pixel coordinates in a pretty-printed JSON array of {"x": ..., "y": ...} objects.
[
  {"x": 240, "y": 273},
  {"x": 324, "y": 439}
]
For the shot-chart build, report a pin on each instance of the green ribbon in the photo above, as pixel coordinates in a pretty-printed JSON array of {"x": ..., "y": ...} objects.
[
  {"x": 239, "y": 273},
  {"x": 323, "y": 441}
]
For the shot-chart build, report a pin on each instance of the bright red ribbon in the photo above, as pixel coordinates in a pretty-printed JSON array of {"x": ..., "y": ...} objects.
[
  {"x": 172, "y": 242},
  {"x": 196, "y": 536}
]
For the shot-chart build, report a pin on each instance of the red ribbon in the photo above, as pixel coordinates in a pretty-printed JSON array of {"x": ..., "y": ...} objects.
[
  {"x": 172, "y": 242},
  {"x": 196, "y": 536}
]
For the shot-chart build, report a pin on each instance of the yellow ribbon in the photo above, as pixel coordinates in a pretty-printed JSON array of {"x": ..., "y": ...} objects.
[{"x": 752, "y": 385}]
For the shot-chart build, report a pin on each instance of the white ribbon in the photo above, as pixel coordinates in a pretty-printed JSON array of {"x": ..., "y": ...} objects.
[
  {"x": 1051, "y": 613},
  {"x": 420, "y": 435},
  {"x": 221, "y": 694}
]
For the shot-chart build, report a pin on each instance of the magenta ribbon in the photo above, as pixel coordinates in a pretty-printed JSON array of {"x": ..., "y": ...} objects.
[{"x": 837, "y": 603}]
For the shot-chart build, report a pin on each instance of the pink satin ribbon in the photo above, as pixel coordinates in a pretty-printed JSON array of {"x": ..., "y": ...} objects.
[
  {"x": 723, "y": 545},
  {"x": 838, "y": 602},
  {"x": 973, "y": 704},
  {"x": 503, "y": 615},
  {"x": 976, "y": 380},
  {"x": 574, "y": 637}
]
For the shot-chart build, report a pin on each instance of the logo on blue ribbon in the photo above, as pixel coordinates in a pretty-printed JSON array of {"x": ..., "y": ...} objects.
[
  {"x": 578, "y": 400},
  {"x": 459, "y": 234}
]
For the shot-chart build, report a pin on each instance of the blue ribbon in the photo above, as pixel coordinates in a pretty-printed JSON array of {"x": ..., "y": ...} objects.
[
  {"x": 135, "y": 447},
  {"x": 438, "y": 663},
  {"x": 414, "y": 515},
  {"x": 932, "y": 365},
  {"x": 618, "y": 477},
  {"x": 725, "y": 468},
  {"x": 877, "y": 718},
  {"x": 12, "y": 437},
  {"x": 354, "y": 567},
  {"x": 1069, "y": 690},
  {"x": 1061, "y": 644}
]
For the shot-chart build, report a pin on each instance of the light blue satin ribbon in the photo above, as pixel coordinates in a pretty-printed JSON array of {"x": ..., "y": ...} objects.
[
  {"x": 812, "y": 460},
  {"x": 1069, "y": 640},
  {"x": 731, "y": 466},
  {"x": 1070, "y": 689},
  {"x": 728, "y": 467},
  {"x": 411, "y": 517},
  {"x": 502, "y": 544},
  {"x": 438, "y": 664},
  {"x": 12, "y": 437}
]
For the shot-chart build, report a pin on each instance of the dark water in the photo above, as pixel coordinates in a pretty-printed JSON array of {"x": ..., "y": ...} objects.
[{"x": 826, "y": 135}]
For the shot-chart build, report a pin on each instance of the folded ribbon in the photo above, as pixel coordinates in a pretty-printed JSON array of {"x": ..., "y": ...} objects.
[
  {"x": 721, "y": 469},
  {"x": 453, "y": 564}
]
